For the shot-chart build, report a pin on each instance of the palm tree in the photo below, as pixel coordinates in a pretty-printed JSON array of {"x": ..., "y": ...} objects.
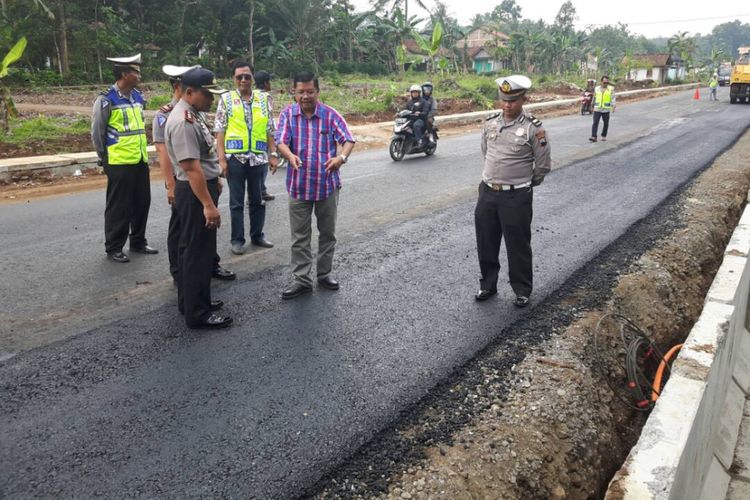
[
  {"x": 378, "y": 5},
  {"x": 683, "y": 46}
]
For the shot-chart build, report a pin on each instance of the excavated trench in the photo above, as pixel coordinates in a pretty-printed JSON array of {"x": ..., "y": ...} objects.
[{"x": 532, "y": 416}]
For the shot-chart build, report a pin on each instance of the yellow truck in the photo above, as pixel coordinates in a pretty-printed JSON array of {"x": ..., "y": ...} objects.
[{"x": 739, "y": 84}]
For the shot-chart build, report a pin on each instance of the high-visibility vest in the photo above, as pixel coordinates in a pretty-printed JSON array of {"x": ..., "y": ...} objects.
[
  {"x": 239, "y": 136},
  {"x": 713, "y": 82},
  {"x": 126, "y": 133},
  {"x": 603, "y": 98}
]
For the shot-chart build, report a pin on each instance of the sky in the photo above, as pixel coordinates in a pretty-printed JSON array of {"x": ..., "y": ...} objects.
[{"x": 651, "y": 18}]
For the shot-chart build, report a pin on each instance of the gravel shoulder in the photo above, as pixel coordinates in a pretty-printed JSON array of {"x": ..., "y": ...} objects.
[{"x": 535, "y": 418}]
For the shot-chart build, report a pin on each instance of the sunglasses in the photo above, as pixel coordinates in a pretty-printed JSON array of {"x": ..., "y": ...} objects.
[{"x": 243, "y": 77}]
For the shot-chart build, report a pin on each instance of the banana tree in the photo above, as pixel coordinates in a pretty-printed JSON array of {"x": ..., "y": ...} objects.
[
  {"x": 432, "y": 47},
  {"x": 7, "y": 108}
]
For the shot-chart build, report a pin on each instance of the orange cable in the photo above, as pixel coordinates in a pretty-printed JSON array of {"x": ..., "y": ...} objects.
[{"x": 656, "y": 386}]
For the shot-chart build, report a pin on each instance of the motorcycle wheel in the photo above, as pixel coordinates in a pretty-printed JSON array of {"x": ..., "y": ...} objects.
[
  {"x": 430, "y": 149},
  {"x": 396, "y": 149}
]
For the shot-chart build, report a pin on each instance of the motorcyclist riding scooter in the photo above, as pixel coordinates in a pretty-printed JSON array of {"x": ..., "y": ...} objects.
[
  {"x": 588, "y": 97},
  {"x": 408, "y": 130}
]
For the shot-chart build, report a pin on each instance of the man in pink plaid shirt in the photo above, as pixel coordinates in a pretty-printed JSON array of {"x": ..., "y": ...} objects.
[{"x": 308, "y": 136}]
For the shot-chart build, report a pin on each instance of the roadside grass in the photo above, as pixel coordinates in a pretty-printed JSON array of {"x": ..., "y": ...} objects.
[
  {"x": 156, "y": 101},
  {"x": 43, "y": 127}
]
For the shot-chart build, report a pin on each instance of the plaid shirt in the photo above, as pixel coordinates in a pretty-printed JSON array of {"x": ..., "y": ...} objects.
[{"x": 314, "y": 140}]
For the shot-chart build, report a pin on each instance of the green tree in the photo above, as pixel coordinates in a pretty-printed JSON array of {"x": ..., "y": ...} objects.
[
  {"x": 730, "y": 36},
  {"x": 7, "y": 108},
  {"x": 432, "y": 47}
]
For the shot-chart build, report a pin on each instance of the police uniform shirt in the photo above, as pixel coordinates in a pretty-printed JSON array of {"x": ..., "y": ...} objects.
[
  {"x": 516, "y": 152},
  {"x": 188, "y": 138},
  {"x": 100, "y": 120},
  {"x": 160, "y": 122}
]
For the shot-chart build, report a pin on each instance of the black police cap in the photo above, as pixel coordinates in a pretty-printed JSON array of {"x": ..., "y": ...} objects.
[
  {"x": 202, "y": 78},
  {"x": 262, "y": 77}
]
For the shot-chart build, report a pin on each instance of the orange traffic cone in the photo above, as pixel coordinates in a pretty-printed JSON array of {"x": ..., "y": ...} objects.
[{"x": 697, "y": 95}]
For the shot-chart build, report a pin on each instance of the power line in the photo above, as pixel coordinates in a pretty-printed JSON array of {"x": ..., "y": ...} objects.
[{"x": 715, "y": 18}]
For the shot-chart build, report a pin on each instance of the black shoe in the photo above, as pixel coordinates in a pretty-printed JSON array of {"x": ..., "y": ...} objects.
[
  {"x": 118, "y": 257},
  {"x": 329, "y": 283},
  {"x": 521, "y": 301},
  {"x": 295, "y": 290},
  {"x": 213, "y": 322},
  {"x": 144, "y": 249},
  {"x": 592, "y": 139},
  {"x": 223, "y": 274},
  {"x": 262, "y": 243},
  {"x": 484, "y": 294},
  {"x": 267, "y": 196}
]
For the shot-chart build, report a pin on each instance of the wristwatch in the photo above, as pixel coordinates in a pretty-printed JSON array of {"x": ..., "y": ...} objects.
[
  {"x": 275, "y": 155},
  {"x": 344, "y": 158}
]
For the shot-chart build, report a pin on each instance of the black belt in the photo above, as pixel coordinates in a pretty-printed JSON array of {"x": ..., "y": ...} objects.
[{"x": 208, "y": 181}]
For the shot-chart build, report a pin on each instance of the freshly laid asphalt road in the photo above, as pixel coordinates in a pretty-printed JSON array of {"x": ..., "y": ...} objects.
[{"x": 141, "y": 406}]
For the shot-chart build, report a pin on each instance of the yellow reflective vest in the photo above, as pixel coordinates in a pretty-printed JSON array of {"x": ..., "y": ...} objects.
[
  {"x": 126, "y": 133},
  {"x": 603, "y": 98},
  {"x": 241, "y": 136}
]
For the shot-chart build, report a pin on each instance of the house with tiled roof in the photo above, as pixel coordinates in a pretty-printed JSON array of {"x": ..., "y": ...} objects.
[
  {"x": 660, "y": 68},
  {"x": 478, "y": 47}
]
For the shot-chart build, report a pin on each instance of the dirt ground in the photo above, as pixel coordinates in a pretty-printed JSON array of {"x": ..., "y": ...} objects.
[{"x": 545, "y": 425}]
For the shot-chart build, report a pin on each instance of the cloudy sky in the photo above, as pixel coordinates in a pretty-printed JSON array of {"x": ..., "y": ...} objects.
[{"x": 651, "y": 18}]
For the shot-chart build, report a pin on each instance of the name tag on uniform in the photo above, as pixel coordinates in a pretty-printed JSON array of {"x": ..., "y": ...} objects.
[
  {"x": 261, "y": 145},
  {"x": 235, "y": 144}
]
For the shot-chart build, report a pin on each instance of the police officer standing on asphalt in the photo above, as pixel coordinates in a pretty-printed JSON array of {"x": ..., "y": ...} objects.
[
  {"x": 516, "y": 158},
  {"x": 119, "y": 136},
  {"x": 191, "y": 146},
  {"x": 167, "y": 169}
]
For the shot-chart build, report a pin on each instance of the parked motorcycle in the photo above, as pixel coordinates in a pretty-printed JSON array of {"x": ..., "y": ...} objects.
[
  {"x": 403, "y": 141},
  {"x": 587, "y": 98}
]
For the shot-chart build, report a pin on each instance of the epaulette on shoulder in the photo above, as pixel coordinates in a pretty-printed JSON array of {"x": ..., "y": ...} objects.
[
  {"x": 167, "y": 108},
  {"x": 533, "y": 119},
  {"x": 104, "y": 92},
  {"x": 189, "y": 116},
  {"x": 492, "y": 116}
]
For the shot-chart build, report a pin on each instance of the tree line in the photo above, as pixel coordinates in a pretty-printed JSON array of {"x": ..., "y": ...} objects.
[{"x": 68, "y": 40}]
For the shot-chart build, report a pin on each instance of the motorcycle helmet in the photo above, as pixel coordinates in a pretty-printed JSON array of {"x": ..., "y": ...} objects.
[
  {"x": 428, "y": 85},
  {"x": 415, "y": 88}
]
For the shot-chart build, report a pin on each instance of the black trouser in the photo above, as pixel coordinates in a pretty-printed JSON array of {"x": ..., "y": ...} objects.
[
  {"x": 128, "y": 202},
  {"x": 506, "y": 214},
  {"x": 195, "y": 254},
  {"x": 173, "y": 241},
  {"x": 595, "y": 126}
]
